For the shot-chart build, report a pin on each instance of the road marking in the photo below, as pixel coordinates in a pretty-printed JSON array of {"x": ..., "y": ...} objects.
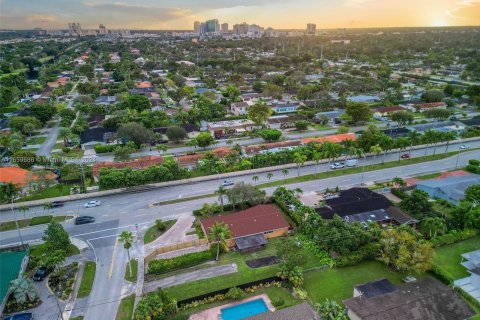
[{"x": 110, "y": 271}]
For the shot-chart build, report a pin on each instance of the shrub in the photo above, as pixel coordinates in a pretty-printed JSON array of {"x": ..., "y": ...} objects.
[
  {"x": 160, "y": 225},
  {"x": 163, "y": 265},
  {"x": 453, "y": 236},
  {"x": 399, "y": 193},
  {"x": 100, "y": 148},
  {"x": 235, "y": 293},
  {"x": 474, "y": 162},
  {"x": 473, "y": 169},
  {"x": 278, "y": 302},
  {"x": 300, "y": 293},
  {"x": 368, "y": 251},
  {"x": 66, "y": 150}
]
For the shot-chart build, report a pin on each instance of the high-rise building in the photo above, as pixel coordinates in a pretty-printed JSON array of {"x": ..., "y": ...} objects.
[
  {"x": 311, "y": 29},
  {"x": 240, "y": 29},
  {"x": 255, "y": 31},
  {"x": 102, "y": 29},
  {"x": 224, "y": 27},
  {"x": 196, "y": 27},
  {"x": 74, "y": 28},
  {"x": 212, "y": 26}
]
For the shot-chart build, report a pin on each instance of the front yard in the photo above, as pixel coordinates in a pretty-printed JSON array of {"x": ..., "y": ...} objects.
[{"x": 448, "y": 257}]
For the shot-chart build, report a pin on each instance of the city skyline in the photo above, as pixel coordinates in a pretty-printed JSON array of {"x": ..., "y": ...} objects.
[{"x": 283, "y": 14}]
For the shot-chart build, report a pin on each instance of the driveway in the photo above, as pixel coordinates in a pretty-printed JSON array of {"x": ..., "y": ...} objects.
[
  {"x": 206, "y": 273},
  {"x": 47, "y": 146}
]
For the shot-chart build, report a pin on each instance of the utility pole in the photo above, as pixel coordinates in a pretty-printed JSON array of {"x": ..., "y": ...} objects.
[
  {"x": 16, "y": 225},
  {"x": 363, "y": 168},
  {"x": 83, "y": 177},
  {"x": 58, "y": 306},
  {"x": 458, "y": 157}
]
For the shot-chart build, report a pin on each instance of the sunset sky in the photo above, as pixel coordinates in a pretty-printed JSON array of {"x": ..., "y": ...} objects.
[{"x": 280, "y": 14}]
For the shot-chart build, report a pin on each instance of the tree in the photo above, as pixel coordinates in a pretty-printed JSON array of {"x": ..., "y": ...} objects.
[
  {"x": 301, "y": 125},
  {"x": 65, "y": 134},
  {"x": 401, "y": 249},
  {"x": 137, "y": 102},
  {"x": 402, "y": 117},
  {"x": 272, "y": 90},
  {"x": 8, "y": 191},
  {"x": 48, "y": 207},
  {"x": 221, "y": 191},
  {"x": 414, "y": 138},
  {"x": 299, "y": 159},
  {"x": 219, "y": 233},
  {"x": 24, "y": 209},
  {"x": 56, "y": 238},
  {"x": 28, "y": 128},
  {"x": 242, "y": 194},
  {"x": 177, "y": 95},
  {"x": 122, "y": 153},
  {"x": 233, "y": 93},
  {"x": 401, "y": 144},
  {"x": 270, "y": 135},
  {"x": 376, "y": 150},
  {"x": 331, "y": 310},
  {"x": 438, "y": 114},
  {"x": 433, "y": 96},
  {"x": 398, "y": 181},
  {"x": 255, "y": 179},
  {"x": 285, "y": 172},
  {"x": 23, "y": 290},
  {"x": 472, "y": 194},
  {"x": 448, "y": 136},
  {"x": 156, "y": 305},
  {"x": 42, "y": 112},
  {"x": 291, "y": 253},
  {"x": 269, "y": 176},
  {"x": 127, "y": 238},
  {"x": 259, "y": 113},
  {"x": 24, "y": 159},
  {"x": 204, "y": 139},
  {"x": 18, "y": 123},
  {"x": 176, "y": 134},
  {"x": 316, "y": 157},
  {"x": 434, "y": 226},
  {"x": 161, "y": 148},
  {"x": 359, "y": 111},
  {"x": 54, "y": 259},
  {"x": 417, "y": 204},
  {"x": 135, "y": 132}
]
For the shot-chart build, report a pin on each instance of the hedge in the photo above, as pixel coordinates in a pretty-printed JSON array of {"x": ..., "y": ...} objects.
[
  {"x": 101, "y": 148},
  {"x": 453, "y": 236},
  {"x": 399, "y": 193},
  {"x": 473, "y": 169},
  {"x": 368, "y": 251},
  {"x": 164, "y": 265}
]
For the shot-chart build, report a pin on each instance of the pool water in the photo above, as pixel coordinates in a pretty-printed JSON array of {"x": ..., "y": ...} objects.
[{"x": 244, "y": 310}]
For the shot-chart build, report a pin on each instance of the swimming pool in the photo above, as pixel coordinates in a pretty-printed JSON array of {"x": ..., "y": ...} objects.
[{"x": 243, "y": 310}]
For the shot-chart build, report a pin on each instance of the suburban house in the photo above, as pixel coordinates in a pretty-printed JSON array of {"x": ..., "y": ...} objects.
[
  {"x": 284, "y": 106},
  {"x": 427, "y": 299},
  {"x": 334, "y": 138},
  {"x": 386, "y": 111},
  {"x": 444, "y": 126},
  {"x": 106, "y": 100},
  {"x": 253, "y": 97},
  {"x": 332, "y": 116},
  {"x": 22, "y": 177},
  {"x": 140, "y": 163},
  {"x": 239, "y": 108},
  {"x": 301, "y": 311},
  {"x": 421, "y": 107},
  {"x": 272, "y": 147},
  {"x": 189, "y": 161},
  {"x": 90, "y": 137},
  {"x": 221, "y": 128},
  {"x": 364, "y": 206},
  {"x": 451, "y": 189},
  {"x": 279, "y": 122},
  {"x": 251, "y": 227},
  {"x": 471, "y": 284}
]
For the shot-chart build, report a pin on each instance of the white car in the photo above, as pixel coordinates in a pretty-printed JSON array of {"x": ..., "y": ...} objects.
[
  {"x": 337, "y": 165},
  {"x": 93, "y": 203},
  {"x": 227, "y": 183},
  {"x": 465, "y": 146}
]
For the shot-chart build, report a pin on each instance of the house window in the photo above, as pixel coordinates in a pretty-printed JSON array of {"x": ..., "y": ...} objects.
[{"x": 267, "y": 232}]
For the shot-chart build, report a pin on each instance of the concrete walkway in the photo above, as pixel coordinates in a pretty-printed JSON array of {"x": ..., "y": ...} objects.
[{"x": 190, "y": 276}]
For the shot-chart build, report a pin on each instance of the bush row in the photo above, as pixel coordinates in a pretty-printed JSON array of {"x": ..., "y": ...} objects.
[
  {"x": 453, "y": 236},
  {"x": 101, "y": 148},
  {"x": 366, "y": 252},
  {"x": 187, "y": 260},
  {"x": 399, "y": 193}
]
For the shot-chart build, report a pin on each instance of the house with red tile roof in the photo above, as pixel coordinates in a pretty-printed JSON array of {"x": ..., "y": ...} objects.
[
  {"x": 336, "y": 138},
  {"x": 274, "y": 146},
  {"x": 143, "y": 84},
  {"x": 251, "y": 227},
  {"x": 140, "y": 163},
  {"x": 386, "y": 111},
  {"x": 20, "y": 176}
]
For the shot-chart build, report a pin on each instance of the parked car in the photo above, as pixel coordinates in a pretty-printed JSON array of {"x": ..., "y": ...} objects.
[
  {"x": 21, "y": 316},
  {"x": 227, "y": 183},
  {"x": 465, "y": 146},
  {"x": 337, "y": 165},
  {"x": 405, "y": 156},
  {"x": 92, "y": 203},
  {"x": 84, "y": 220},
  {"x": 40, "y": 274},
  {"x": 409, "y": 278},
  {"x": 57, "y": 204}
]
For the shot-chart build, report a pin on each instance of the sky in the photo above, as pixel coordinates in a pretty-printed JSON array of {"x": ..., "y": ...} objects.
[{"x": 279, "y": 14}]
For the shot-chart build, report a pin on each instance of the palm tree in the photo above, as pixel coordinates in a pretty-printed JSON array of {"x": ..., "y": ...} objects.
[
  {"x": 219, "y": 233},
  {"x": 428, "y": 137},
  {"x": 386, "y": 143},
  {"x": 23, "y": 209},
  {"x": 449, "y": 136},
  {"x": 316, "y": 157},
  {"x": 229, "y": 142},
  {"x": 299, "y": 159},
  {"x": 434, "y": 225},
  {"x": 376, "y": 150},
  {"x": 23, "y": 290},
  {"x": 255, "y": 179},
  {"x": 161, "y": 148},
  {"x": 65, "y": 134},
  {"x": 48, "y": 207},
  {"x": 401, "y": 143},
  {"x": 127, "y": 238},
  {"x": 221, "y": 191},
  {"x": 269, "y": 176},
  {"x": 285, "y": 172},
  {"x": 398, "y": 181},
  {"x": 414, "y": 138}
]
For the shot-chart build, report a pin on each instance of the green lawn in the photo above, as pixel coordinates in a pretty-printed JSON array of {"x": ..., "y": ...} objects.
[
  {"x": 23, "y": 223},
  {"x": 41, "y": 250},
  {"x": 77, "y": 318},
  {"x": 338, "y": 283},
  {"x": 153, "y": 232},
  {"x": 429, "y": 176},
  {"x": 448, "y": 257},
  {"x": 36, "y": 140},
  {"x": 87, "y": 279},
  {"x": 51, "y": 192},
  {"x": 320, "y": 127},
  {"x": 133, "y": 277},
  {"x": 243, "y": 275},
  {"x": 273, "y": 293},
  {"x": 125, "y": 310}
]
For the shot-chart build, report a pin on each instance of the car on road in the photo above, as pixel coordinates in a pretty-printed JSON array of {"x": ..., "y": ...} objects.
[
  {"x": 337, "y": 165},
  {"x": 351, "y": 162},
  {"x": 92, "y": 203},
  {"x": 57, "y": 204},
  {"x": 405, "y": 156},
  {"x": 83, "y": 220},
  {"x": 227, "y": 183},
  {"x": 465, "y": 146},
  {"x": 21, "y": 316},
  {"x": 40, "y": 274}
]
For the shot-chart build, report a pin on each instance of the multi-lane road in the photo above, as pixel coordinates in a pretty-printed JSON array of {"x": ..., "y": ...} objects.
[{"x": 131, "y": 211}]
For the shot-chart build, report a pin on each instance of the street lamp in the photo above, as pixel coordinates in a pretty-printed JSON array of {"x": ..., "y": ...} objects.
[
  {"x": 458, "y": 157},
  {"x": 16, "y": 225}
]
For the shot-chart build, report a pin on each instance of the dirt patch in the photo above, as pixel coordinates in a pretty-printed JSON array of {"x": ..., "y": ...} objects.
[{"x": 262, "y": 262}]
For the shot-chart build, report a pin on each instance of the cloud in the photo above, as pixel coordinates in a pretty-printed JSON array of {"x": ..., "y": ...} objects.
[
  {"x": 152, "y": 12},
  {"x": 355, "y": 3},
  {"x": 19, "y": 21},
  {"x": 466, "y": 9}
]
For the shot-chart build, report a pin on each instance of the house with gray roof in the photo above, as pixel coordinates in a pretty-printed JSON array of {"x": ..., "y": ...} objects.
[
  {"x": 301, "y": 311},
  {"x": 427, "y": 299},
  {"x": 471, "y": 284},
  {"x": 451, "y": 189}
]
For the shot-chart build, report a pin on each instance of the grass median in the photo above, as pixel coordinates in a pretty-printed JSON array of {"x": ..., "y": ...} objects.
[
  {"x": 34, "y": 221},
  {"x": 132, "y": 277},
  {"x": 87, "y": 279},
  {"x": 125, "y": 309},
  {"x": 153, "y": 232}
]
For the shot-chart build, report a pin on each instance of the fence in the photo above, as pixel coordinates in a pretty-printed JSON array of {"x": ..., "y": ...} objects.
[{"x": 174, "y": 247}]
